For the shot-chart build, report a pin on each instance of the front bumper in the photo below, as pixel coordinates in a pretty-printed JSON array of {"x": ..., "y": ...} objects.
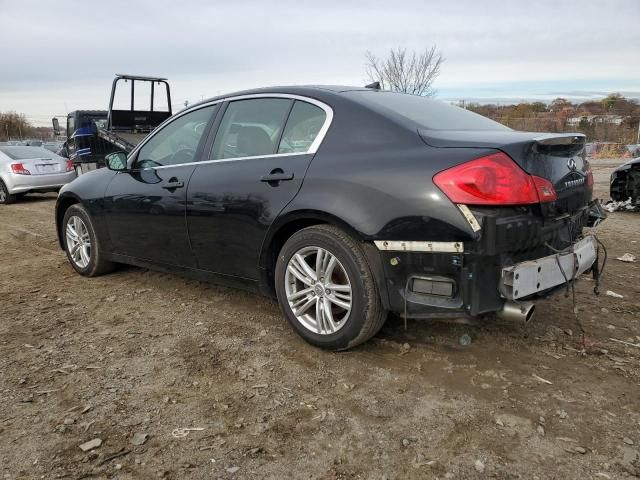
[{"x": 32, "y": 183}]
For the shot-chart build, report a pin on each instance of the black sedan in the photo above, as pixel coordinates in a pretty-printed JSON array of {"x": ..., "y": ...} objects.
[{"x": 345, "y": 204}]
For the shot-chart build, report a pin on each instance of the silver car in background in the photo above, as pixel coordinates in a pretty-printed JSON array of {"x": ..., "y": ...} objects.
[{"x": 26, "y": 169}]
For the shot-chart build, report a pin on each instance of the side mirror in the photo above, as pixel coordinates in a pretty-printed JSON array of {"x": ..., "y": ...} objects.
[
  {"x": 116, "y": 161},
  {"x": 56, "y": 126}
]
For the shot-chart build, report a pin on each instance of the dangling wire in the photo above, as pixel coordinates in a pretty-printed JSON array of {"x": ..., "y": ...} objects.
[
  {"x": 598, "y": 270},
  {"x": 570, "y": 284}
]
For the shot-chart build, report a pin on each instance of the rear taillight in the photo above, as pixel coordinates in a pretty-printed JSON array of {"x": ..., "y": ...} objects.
[
  {"x": 590, "y": 179},
  {"x": 589, "y": 173},
  {"x": 19, "y": 169},
  {"x": 69, "y": 167},
  {"x": 493, "y": 180}
]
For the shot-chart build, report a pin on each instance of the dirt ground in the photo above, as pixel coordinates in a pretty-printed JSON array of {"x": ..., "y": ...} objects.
[{"x": 139, "y": 352}]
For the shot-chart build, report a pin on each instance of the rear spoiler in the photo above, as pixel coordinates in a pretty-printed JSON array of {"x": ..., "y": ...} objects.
[
  {"x": 499, "y": 139},
  {"x": 551, "y": 139}
]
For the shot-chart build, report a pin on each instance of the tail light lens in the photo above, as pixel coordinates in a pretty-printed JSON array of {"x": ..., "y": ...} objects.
[
  {"x": 19, "y": 169},
  {"x": 69, "y": 167},
  {"x": 493, "y": 180},
  {"x": 589, "y": 173}
]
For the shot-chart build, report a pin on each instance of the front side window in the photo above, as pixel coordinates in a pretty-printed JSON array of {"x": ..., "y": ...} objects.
[
  {"x": 303, "y": 126},
  {"x": 251, "y": 128},
  {"x": 177, "y": 142}
]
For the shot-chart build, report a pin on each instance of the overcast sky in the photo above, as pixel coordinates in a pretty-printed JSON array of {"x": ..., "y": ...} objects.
[{"x": 57, "y": 55}]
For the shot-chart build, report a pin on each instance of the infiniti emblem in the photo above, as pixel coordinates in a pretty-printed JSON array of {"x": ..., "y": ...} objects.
[{"x": 571, "y": 163}]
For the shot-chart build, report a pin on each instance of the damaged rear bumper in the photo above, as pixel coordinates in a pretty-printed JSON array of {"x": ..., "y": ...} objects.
[
  {"x": 509, "y": 260},
  {"x": 534, "y": 276}
]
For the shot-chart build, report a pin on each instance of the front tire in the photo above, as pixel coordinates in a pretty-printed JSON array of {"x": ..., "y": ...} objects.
[
  {"x": 5, "y": 197},
  {"x": 82, "y": 244},
  {"x": 326, "y": 288}
]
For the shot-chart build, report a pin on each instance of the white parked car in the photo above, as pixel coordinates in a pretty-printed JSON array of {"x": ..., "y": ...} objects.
[{"x": 31, "y": 169}]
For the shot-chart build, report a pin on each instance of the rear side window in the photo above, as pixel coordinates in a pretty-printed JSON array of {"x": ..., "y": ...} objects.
[
  {"x": 251, "y": 128},
  {"x": 425, "y": 112},
  {"x": 303, "y": 126}
]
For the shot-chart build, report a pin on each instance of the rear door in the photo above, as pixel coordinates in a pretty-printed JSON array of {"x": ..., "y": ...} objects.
[
  {"x": 145, "y": 206},
  {"x": 256, "y": 166}
]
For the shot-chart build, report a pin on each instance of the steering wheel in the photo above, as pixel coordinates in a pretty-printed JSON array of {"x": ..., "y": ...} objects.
[
  {"x": 199, "y": 127},
  {"x": 147, "y": 163},
  {"x": 183, "y": 155}
]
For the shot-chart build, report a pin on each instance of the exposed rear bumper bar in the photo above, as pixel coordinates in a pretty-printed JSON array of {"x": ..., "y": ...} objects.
[{"x": 533, "y": 276}]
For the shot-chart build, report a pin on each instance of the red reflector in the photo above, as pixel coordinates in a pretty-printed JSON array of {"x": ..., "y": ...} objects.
[
  {"x": 69, "y": 167},
  {"x": 19, "y": 169},
  {"x": 493, "y": 180},
  {"x": 590, "y": 179},
  {"x": 546, "y": 192}
]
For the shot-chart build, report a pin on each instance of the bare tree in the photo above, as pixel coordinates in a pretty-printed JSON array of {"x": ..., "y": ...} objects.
[{"x": 406, "y": 72}]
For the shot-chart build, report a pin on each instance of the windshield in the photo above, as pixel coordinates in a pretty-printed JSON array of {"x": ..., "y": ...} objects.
[
  {"x": 99, "y": 122},
  {"x": 425, "y": 112}
]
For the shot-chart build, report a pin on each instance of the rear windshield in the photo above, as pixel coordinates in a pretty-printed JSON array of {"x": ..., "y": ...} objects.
[
  {"x": 425, "y": 112},
  {"x": 25, "y": 153}
]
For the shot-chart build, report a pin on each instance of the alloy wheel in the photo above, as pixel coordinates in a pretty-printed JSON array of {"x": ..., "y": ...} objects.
[
  {"x": 3, "y": 193},
  {"x": 78, "y": 241},
  {"x": 318, "y": 290}
]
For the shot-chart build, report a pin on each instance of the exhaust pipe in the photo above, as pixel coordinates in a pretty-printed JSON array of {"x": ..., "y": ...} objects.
[{"x": 519, "y": 312}]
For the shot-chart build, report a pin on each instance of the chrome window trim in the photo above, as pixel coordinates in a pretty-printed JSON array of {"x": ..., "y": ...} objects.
[
  {"x": 223, "y": 160},
  {"x": 313, "y": 148}
]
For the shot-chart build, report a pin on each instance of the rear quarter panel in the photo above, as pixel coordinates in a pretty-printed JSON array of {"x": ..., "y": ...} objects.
[
  {"x": 387, "y": 194},
  {"x": 375, "y": 174}
]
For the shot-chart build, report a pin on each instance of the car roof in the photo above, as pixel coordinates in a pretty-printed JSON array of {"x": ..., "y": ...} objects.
[{"x": 303, "y": 90}]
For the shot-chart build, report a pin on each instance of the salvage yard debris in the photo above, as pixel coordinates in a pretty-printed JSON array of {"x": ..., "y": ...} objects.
[
  {"x": 613, "y": 294},
  {"x": 183, "y": 432},
  {"x": 540, "y": 379},
  {"x": 624, "y": 206},
  {"x": 637, "y": 345},
  {"x": 91, "y": 444}
]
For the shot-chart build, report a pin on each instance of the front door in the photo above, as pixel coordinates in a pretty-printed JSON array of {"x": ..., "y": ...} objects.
[
  {"x": 145, "y": 205},
  {"x": 261, "y": 152}
]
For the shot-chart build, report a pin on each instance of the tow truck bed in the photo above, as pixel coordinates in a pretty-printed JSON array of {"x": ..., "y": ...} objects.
[{"x": 127, "y": 141}]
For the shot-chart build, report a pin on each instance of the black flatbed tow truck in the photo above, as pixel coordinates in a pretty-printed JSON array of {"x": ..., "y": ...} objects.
[{"x": 92, "y": 134}]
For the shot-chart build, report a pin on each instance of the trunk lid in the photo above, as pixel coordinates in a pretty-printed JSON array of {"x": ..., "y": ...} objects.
[
  {"x": 37, "y": 160},
  {"x": 557, "y": 157},
  {"x": 43, "y": 166}
]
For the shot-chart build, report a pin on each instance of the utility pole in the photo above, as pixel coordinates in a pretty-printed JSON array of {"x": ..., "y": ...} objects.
[{"x": 638, "y": 137}]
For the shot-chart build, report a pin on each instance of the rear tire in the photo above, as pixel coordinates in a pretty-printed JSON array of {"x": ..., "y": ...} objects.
[
  {"x": 347, "y": 305},
  {"x": 82, "y": 244},
  {"x": 5, "y": 197}
]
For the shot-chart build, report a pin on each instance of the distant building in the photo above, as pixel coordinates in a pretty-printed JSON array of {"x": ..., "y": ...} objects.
[{"x": 595, "y": 119}]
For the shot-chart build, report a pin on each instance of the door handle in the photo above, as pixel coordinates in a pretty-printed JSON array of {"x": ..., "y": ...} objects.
[
  {"x": 277, "y": 177},
  {"x": 173, "y": 185}
]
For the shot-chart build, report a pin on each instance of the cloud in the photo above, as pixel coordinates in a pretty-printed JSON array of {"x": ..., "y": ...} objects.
[{"x": 67, "y": 52}]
